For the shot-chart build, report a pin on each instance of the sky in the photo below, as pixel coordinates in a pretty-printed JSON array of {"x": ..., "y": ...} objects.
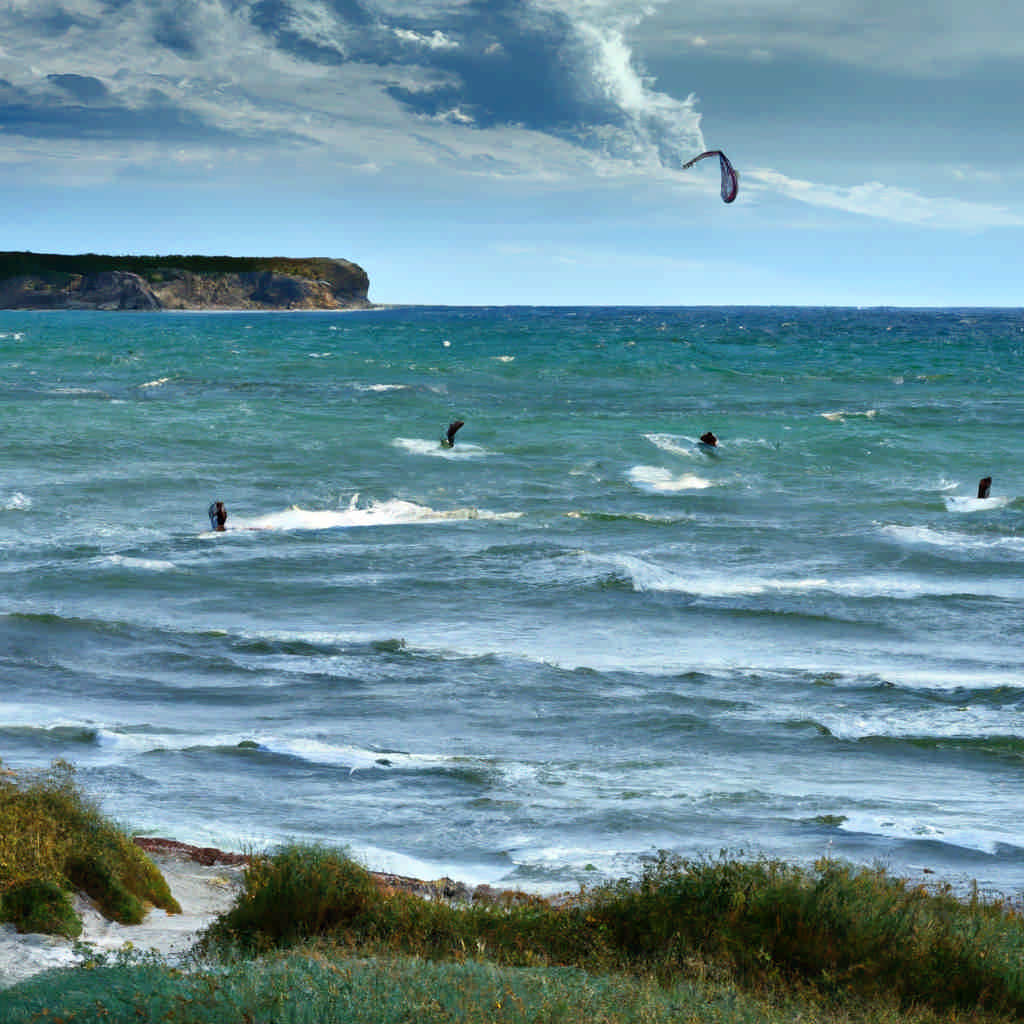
[{"x": 488, "y": 152}]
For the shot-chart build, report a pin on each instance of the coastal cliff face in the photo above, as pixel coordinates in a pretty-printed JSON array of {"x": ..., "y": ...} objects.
[{"x": 277, "y": 284}]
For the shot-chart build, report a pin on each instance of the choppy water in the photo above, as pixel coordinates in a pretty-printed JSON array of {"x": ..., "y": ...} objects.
[{"x": 571, "y": 640}]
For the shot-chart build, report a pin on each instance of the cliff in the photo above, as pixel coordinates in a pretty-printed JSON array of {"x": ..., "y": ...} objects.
[{"x": 50, "y": 281}]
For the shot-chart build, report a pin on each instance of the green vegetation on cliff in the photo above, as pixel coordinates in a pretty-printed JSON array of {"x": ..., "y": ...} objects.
[{"x": 153, "y": 268}]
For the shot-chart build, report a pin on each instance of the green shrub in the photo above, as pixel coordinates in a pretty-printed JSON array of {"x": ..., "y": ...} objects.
[
  {"x": 51, "y": 832},
  {"x": 41, "y": 907},
  {"x": 299, "y": 892}
]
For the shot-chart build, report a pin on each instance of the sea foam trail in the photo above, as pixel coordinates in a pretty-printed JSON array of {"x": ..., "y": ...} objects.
[
  {"x": 423, "y": 446},
  {"x": 394, "y": 512}
]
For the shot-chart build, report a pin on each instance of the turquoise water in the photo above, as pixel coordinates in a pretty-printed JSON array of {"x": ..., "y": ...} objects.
[{"x": 570, "y": 641}]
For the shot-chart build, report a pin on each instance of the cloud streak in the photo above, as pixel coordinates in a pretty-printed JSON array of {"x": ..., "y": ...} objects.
[{"x": 885, "y": 202}]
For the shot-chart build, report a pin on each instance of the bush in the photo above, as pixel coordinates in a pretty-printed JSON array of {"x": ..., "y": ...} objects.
[
  {"x": 41, "y": 907},
  {"x": 301, "y": 891},
  {"x": 51, "y": 833}
]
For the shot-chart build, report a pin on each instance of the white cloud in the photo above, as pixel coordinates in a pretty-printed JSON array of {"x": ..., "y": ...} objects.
[
  {"x": 437, "y": 40},
  {"x": 885, "y": 202},
  {"x": 661, "y": 127}
]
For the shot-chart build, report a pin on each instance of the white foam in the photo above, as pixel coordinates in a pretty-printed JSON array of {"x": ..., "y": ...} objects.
[
  {"x": 18, "y": 502},
  {"x": 646, "y": 576},
  {"x": 965, "y": 503},
  {"x": 685, "y": 446},
  {"x": 951, "y": 539},
  {"x": 840, "y": 415},
  {"x": 658, "y": 480},
  {"x": 381, "y": 387},
  {"x": 155, "y": 383},
  {"x": 421, "y": 446},
  {"x": 346, "y": 755},
  {"x": 395, "y": 512},
  {"x": 129, "y": 562},
  {"x": 907, "y": 827}
]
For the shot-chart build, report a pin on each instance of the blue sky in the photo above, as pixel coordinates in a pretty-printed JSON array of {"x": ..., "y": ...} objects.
[{"x": 530, "y": 151}]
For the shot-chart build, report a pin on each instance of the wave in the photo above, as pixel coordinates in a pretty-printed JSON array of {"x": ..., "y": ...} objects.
[
  {"x": 907, "y": 827},
  {"x": 965, "y": 503},
  {"x": 840, "y": 415},
  {"x": 980, "y": 727},
  {"x": 424, "y": 446},
  {"x": 379, "y": 388},
  {"x": 17, "y": 502},
  {"x": 56, "y": 735},
  {"x": 657, "y": 480},
  {"x": 645, "y": 575},
  {"x": 159, "y": 382},
  {"x": 129, "y": 562},
  {"x": 952, "y": 540},
  {"x": 691, "y": 448},
  {"x": 394, "y": 512}
]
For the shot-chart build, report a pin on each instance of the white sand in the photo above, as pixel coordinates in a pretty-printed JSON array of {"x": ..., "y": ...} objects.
[{"x": 203, "y": 892}]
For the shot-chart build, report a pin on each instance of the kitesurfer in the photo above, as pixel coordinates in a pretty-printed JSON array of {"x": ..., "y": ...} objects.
[
  {"x": 218, "y": 516},
  {"x": 448, "y": 441},
  {"x": 984, "y": 486}
]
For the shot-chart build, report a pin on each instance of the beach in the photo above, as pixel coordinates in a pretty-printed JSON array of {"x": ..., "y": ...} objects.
[{"x": 203, "y": 890}]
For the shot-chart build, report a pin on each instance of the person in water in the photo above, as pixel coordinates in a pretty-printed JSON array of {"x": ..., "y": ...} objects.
[
  {"x": 448, "y": 441},
  {"x": 218, "y": 516},
  {"x": 709, "y": 439},
  {"x": 984, "y": 486}
]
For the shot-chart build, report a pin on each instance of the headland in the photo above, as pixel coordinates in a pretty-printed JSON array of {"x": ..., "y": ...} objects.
[{"x": 31, "y": 280}]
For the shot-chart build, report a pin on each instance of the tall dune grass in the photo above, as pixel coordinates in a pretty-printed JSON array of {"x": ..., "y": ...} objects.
[
  {"x": 847, "y": 932},
  {"x": 54, "y": 840}
]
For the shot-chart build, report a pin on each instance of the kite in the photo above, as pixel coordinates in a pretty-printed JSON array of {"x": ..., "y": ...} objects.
[{"x": 730, "y": 179}]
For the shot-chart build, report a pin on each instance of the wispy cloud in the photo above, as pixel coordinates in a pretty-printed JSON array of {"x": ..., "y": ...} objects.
[{"x": 885, "y": 202}]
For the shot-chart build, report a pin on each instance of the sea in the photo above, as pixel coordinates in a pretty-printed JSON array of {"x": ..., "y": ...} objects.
[{"x": 572, "y": 641}]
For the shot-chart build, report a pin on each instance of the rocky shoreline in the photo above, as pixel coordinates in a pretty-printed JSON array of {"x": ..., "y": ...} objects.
[{"x": 439, "y": 889}]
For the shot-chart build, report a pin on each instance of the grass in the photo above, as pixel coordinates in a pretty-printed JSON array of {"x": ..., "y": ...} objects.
[
  {"x": 317, "y": 984},
  {"x": 843, "y": 933},
  {"x": 314, "y": 937},
  {"x": 54, "y": 840}
]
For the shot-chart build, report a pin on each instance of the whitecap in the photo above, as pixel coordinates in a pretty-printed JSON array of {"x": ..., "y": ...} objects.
[
  {"x": 965, "y": 503},
  {"x": 129, "y": 562},
  {"x": 952, "y": 540},
  {"x": 394, "y": 512},
  {"x": 674, "y": 444},
  {"x": 909, "y": 827},
  {"x": 380, "y": 387},
  {"x": 422, "y": 446},
  {"x": 18, "y": 502},
  {"x": 347, "y": 755},
  {"x": 840, "y": 415},
  {"x": 155, "y": 383},
  {"x": 657, "y": 480}
]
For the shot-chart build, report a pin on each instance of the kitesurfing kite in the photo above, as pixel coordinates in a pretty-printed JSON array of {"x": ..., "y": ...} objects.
[{"x": 730, "y": 179}]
